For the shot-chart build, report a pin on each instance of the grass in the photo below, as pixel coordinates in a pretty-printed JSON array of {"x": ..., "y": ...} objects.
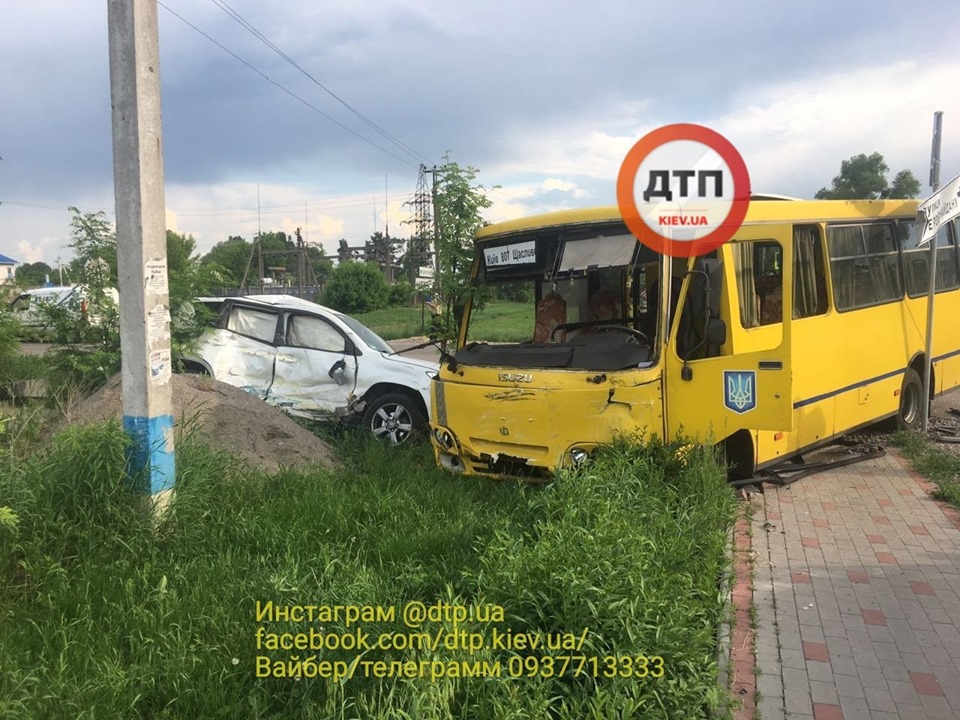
[
  {"x": 102, "y": 617},
  {"x": 394, "y": 323},
  {"x": 931, "y": 462},
  {"x": 503, "y": 322},
  {"x": 497, "y": 322}
]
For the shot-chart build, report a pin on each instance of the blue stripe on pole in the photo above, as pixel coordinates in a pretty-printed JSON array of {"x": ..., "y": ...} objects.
[{"x": 150, "y": 458}]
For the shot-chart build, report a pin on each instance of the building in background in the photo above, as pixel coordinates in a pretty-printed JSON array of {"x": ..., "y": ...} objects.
[{"x": 7, "y": 266}]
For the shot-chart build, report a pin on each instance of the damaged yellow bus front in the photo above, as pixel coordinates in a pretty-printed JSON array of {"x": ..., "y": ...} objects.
[{"x": 601, "y": 331}]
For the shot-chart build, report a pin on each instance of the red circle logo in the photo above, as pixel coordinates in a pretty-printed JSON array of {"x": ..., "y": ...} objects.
[{"x": 695, "y": 190}]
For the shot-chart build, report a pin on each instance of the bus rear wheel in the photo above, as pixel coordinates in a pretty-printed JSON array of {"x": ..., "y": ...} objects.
[{"x": 911, "y": 394}]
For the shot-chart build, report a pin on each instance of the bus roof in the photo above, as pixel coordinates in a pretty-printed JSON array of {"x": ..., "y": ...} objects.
[{"x": 759, "y": 212}]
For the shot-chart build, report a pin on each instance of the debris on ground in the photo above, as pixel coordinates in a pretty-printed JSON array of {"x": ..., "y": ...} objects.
[{"x": 226, "y": 418}]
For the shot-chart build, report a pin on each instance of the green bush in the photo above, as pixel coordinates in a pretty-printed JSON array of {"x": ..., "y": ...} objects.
[
  {"x": 401, "y": 293},
  {"x": 356, "y": 287}
]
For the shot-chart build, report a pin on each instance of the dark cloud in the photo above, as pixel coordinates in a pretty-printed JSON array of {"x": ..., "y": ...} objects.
[{"x": 479, "y": 79}]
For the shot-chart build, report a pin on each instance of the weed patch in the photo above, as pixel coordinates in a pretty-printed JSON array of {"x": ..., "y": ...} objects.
[{"x": 940, "y": 466}]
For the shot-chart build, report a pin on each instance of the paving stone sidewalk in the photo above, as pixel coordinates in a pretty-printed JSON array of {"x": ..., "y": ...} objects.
[{"x": 857, "y": 597}]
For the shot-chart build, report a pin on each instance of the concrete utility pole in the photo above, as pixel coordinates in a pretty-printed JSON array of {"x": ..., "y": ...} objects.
[{"x": 141, "y": 244}]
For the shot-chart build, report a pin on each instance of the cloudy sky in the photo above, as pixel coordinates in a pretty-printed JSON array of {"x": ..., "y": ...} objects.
[{"x": 545, "y": 98}]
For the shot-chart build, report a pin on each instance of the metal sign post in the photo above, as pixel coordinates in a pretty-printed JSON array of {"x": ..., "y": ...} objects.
[
  {"x": 141, "y": 244},
  {"x": 932, "y": 290}
]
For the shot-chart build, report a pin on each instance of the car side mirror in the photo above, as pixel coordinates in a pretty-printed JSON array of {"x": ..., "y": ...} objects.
[{"x": 716, "y": 331}]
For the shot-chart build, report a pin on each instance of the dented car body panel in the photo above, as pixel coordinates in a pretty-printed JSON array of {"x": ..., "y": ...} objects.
[
  {"x": 239, "y": 360},
  {"x": 306, "y": 359}
]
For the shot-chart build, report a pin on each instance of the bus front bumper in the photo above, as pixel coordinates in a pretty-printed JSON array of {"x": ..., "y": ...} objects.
[
  {"x": 530, "y": 433},
  {"x": 504, "y": 459}
]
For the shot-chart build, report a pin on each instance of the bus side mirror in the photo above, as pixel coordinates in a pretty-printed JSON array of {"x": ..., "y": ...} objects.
[{"x": 716, "y": 331}]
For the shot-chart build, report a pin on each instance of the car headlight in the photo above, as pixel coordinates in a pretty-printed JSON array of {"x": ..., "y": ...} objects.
[{"x": 579, "y": 455}]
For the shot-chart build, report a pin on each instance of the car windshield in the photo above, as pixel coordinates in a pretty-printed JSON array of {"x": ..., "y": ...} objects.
[{"x": 366, "y": 334}]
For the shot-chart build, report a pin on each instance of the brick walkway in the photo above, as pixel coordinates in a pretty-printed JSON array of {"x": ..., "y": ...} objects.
[{"x": 857, "y": 593}]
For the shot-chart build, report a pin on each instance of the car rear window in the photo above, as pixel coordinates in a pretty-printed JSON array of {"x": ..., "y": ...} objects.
[{"x": 257, "y": 324}]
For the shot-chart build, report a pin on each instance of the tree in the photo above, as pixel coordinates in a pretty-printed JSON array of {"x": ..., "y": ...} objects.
[
  {"x": 344, "y": 253},
  {"x": 86, "y": 326},
  {"x": 416, "y": 257},
  {"x": 180, "y": 249},
  {"x": 458, "y": 206},
  {"x": 33, "y": 274},
  {"x": 864, "y": 177},
  {"x": 232, "y": 255},
  {"x": 904, "y": 185},
  {"x": 382, "y": 250},
  {"x": 94, "y": 246},
  {"x": 187, "y": 279}
]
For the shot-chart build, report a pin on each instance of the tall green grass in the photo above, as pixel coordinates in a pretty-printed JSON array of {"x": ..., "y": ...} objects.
[
  {"x": 102, "y": 616},
  {"x": 631, "y": 547}
]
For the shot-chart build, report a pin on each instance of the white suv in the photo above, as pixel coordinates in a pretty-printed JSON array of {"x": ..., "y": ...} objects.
[{"x": 314, "y": 362}]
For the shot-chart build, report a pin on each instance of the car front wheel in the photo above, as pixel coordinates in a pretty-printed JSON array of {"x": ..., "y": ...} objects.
[{"x": 393, "y": 417}]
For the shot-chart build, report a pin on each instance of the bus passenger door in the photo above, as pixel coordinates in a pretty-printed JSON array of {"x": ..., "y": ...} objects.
[{"x": 727, "y": 366}]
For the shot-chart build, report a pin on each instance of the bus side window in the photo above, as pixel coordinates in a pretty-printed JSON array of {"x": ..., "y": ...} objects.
[
  {"x": 759, "y": 271},
  {"x": 864, "y": 265},
  {"x": 916, "y": 259},
  {"x": 702, "y": 305},
  {"x": 809, "y": 273}
]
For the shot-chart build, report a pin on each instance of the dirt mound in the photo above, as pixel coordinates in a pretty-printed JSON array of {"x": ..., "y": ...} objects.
[{"x": 226, "y": 418}]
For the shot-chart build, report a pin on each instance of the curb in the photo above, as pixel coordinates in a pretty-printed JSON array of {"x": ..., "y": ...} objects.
[
  {"x": 743, "y": 683},
  {"x": 724, "y": 631}
]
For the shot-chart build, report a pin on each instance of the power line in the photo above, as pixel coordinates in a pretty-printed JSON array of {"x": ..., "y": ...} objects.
[
  {"x": 320, "y": 205},
  {"x": 222, "y": 4},
  {"x": 239, "y": 213},
  {"x": 37, "y": 207},
  {"x": 281, "y": 87}
]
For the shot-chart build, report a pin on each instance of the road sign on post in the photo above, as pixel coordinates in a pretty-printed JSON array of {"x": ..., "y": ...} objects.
[
  {"x": 141, "y": 244},
  {"x": 934, "y": 212},
  {"x": 939, "y": 209}
]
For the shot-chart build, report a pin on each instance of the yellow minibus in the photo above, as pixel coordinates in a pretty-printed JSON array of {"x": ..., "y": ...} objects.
[{"x": 808, "y": 324}]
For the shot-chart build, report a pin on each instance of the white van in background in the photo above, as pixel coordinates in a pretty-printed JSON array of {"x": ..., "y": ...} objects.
[{"x": 27, "y": 307}]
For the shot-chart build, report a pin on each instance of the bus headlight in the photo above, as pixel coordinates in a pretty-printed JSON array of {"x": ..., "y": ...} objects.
[
  {"x": 443, "y": 438},
  {"x": 578, "y": 456}
]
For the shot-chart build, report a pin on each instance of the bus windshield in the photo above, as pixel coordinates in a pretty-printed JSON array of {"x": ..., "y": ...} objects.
[{"x": 561, "y": 298}]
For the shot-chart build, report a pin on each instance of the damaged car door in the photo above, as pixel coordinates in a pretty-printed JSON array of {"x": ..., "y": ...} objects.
[
  {"x": 241, "y": 351},
  {"x": 316, "y": 367}
]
